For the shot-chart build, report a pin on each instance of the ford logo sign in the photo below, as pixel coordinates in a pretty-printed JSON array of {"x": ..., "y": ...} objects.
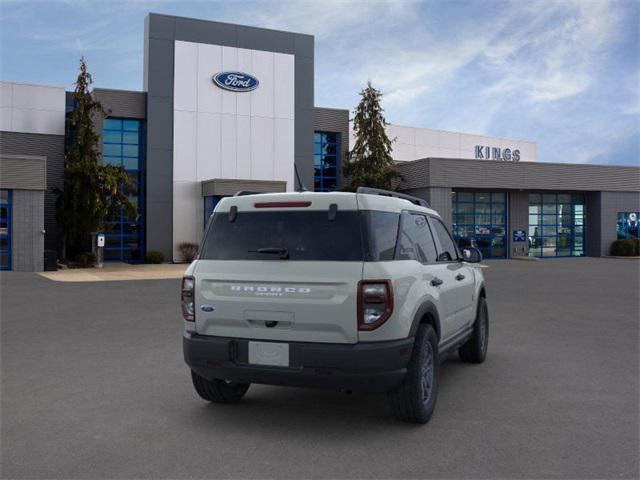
[{"x": 236, "y": 81}]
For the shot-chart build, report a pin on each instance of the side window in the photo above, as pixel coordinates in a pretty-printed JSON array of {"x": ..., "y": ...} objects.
[
  {"x": 380, "y": 233},
  {"x": 415, "y": 241},
  {"x": 449, "y": 251}
]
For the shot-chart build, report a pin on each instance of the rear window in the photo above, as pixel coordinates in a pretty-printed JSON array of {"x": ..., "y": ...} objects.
[
  {"x": 307, "y": 235},
  {"x": 353, "y": 236}
]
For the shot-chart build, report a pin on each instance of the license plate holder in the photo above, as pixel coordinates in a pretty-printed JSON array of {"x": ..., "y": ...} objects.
[{"x": 273, "y": 354}]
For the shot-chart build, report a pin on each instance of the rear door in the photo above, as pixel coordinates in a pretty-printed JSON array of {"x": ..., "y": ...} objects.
[
  {"x": 274, "y": 269},
  {"x": 458, "y": 281},
  {"x": 417, "y": 241}
]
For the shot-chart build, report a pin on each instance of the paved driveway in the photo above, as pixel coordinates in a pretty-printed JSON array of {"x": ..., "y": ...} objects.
[{"x": 93, "y": 386}]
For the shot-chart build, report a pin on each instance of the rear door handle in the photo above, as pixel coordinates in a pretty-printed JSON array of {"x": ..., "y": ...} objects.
[
  {"x": 460, "y": 277},
  {"x": 436, "y": 282}
]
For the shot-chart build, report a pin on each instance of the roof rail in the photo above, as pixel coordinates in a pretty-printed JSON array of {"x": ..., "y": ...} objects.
[
  {"x": 242, "y": 193},
  {"x": 389, "y": 193}
]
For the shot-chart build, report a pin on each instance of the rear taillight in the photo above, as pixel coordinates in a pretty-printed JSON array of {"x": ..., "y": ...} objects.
[
  {"x": 375, "y": 303},
  {"x": 187, "y": 298}
]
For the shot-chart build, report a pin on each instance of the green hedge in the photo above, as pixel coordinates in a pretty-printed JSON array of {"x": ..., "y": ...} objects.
[
  {"x": 188, "y": 251},
  {"x": 85, "y": 260},
  {"x": 154, "y": 256},
  {"x": 628, "y": 247}
]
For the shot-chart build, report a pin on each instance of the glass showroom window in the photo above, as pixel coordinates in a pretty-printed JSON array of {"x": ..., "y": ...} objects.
[
  {"x": 628, "y": 225},
  {"x": 326, "y": 161},
  {"x": 123, "y": 145},
  {"x": 479, "y": 219},
  {"x": 556, "y": 225},
  {"x": 5, "y": 229}
]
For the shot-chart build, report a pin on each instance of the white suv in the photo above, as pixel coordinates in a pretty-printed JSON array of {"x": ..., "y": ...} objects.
[{"x": 351, "y": 291}]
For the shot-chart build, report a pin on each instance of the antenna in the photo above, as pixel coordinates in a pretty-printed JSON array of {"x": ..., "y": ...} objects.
[{"x": 302, "y": 187}]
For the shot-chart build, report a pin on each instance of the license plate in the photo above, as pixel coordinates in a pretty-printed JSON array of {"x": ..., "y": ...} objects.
[{"x": 269, "y": 353}]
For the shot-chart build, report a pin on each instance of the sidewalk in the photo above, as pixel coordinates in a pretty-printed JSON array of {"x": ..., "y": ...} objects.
[{"x": 118, "y": 272}]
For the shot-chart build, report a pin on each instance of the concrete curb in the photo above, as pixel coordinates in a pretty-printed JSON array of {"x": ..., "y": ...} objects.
[{"x": 119, "y": 272}]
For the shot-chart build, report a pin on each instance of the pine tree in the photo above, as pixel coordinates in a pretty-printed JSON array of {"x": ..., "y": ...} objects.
[
  {"x": 92, "y": 191},
  {"x": 369, "y": 163}
]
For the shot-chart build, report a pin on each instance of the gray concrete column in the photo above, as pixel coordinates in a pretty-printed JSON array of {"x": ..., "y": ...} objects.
[{"x": 518, "y": 219}]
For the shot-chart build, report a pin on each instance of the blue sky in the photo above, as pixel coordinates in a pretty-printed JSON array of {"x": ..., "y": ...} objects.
[{"x": 565, "y": 74}]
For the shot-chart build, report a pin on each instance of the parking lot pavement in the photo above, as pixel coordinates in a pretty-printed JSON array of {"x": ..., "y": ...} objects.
[{"x": 94, "y": 386}]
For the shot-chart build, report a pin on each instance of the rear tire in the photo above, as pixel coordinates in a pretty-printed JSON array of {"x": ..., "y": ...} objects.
[
  {"x": 219, "y": 391},
  {"x": 414, "y": 400},
  {"x": 475, "y": 349}
]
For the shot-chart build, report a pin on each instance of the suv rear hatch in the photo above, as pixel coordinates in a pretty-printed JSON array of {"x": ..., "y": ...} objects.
[{"x": 281, "y": 267}]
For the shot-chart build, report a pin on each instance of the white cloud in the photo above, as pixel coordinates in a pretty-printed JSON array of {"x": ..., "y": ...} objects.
[
  {"x": 552, "y": 53},
  {"x": 327, "y": 18},
  {"x": 458, "y": 66}
]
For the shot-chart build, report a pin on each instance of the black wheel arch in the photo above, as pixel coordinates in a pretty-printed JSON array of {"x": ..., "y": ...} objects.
[
  {"x": 482, "y": 291},
  {"x": 426, "y": 314}
]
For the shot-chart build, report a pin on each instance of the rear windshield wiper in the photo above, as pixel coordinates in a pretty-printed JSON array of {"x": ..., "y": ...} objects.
[{"x": 283, "y": 252}]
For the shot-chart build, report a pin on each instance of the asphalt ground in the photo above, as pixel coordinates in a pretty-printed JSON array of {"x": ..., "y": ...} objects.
[{"x": 94, "y": 386}]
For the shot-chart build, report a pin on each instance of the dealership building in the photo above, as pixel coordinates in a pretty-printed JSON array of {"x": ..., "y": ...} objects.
[{"x": 228, "y": 107}]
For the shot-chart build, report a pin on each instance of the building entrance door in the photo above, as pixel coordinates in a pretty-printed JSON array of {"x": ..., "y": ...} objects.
[
  {"x": 556, "y": 225},
  {"x": 479, "y": 220},
  {"x": 5, "y": 229}
]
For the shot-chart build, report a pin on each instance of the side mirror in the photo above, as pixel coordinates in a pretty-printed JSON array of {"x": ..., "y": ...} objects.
[
  {"x": 471, "y": 255},
  {"x": 444, "y": 257}
]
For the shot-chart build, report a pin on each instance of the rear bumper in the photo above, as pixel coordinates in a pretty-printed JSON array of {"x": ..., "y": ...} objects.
[{"x": 375, "y": 366}]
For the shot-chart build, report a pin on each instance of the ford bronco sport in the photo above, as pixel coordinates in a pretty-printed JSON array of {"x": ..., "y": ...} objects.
[{"x": 350, "y": 291}]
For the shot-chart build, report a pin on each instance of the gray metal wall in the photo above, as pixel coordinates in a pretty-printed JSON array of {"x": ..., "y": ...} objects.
[
  {"x": 489, "y": 174},
  {"x": 27, "y": 240},
  {"x": 161, "y": 32},
  {"x": 122, "y": 103},
  {"x": 334, "y": 120},
  {"x": 440, "y": 200},
  {"x": 51, "y": 147},
  {"x": 26, "y": 172}
]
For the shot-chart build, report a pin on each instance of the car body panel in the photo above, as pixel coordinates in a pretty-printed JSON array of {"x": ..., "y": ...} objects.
[
  {"x": 308, "y": 301},
  {"x": 316, "y": 301}
]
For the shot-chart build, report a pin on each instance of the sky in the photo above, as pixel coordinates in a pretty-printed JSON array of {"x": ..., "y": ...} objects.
[{"x": 565, "y": 74}]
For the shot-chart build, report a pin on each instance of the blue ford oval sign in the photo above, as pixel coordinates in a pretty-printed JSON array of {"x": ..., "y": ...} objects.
[{"x": 236, "y": 81}]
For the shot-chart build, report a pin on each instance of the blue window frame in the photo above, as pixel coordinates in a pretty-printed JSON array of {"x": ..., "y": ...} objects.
[
  {"x": 556, "y": 225},
  {"x": 5, "y": 229},
  {"x": 123, "y": 145},
  {"x": 326, "y": 161},
  {"x": 479, "y": 220}
]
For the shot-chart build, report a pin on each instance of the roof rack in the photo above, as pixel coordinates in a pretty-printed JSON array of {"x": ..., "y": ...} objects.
[
  {"x": 242, "y": 193},
  {"x": 389, "y": 193}
]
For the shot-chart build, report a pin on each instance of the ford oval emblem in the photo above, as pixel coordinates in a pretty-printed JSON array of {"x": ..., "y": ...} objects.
[
  {"x": 236, "y": 81},
  {"x": 207, "y": 308}
]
